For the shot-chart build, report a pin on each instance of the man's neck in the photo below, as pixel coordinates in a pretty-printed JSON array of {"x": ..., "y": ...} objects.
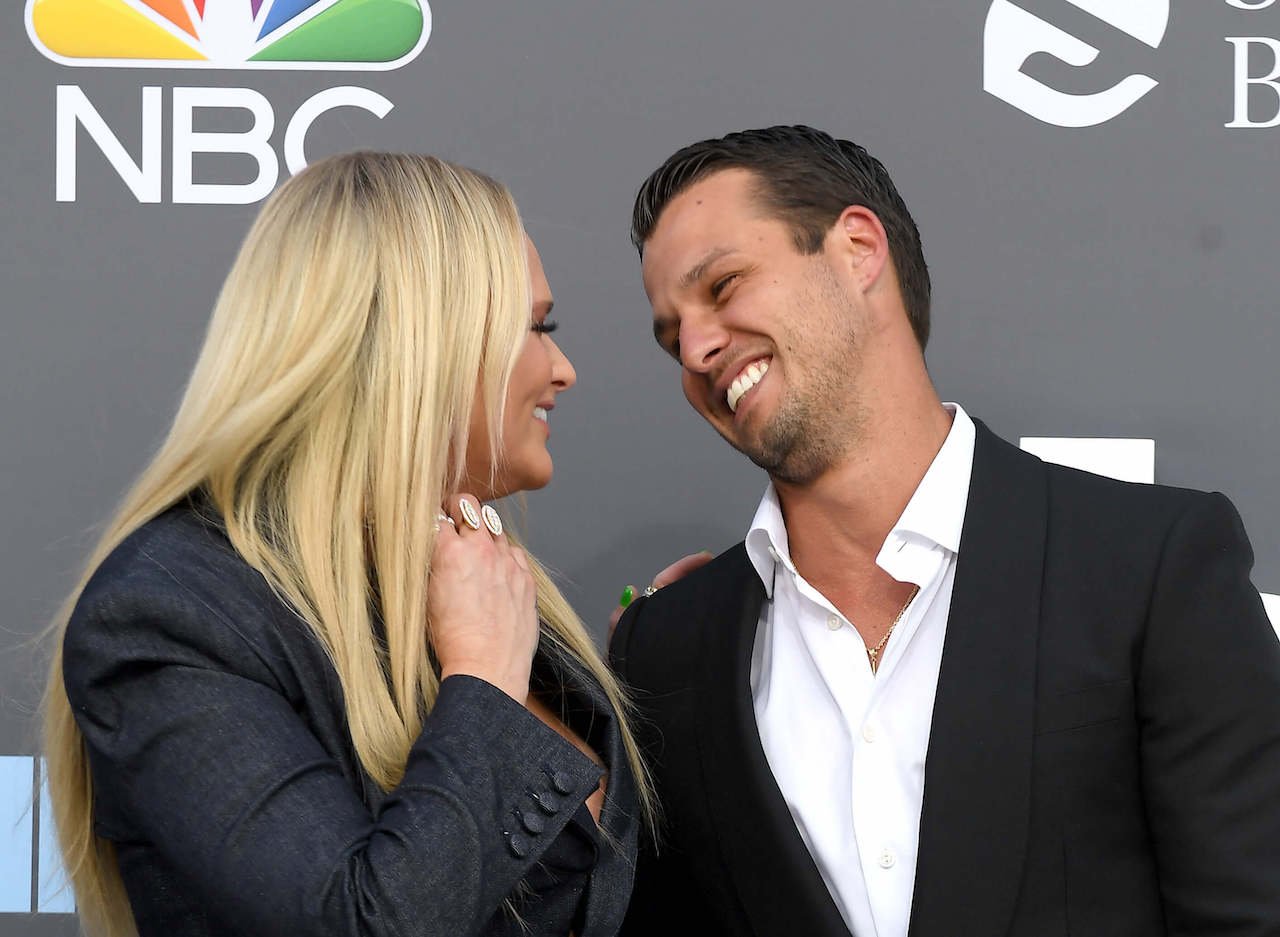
[{"x": 837, "y": 523}]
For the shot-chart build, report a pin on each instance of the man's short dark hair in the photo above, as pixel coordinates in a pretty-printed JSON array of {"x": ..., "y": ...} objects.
[{"x": 807, "y": 178}]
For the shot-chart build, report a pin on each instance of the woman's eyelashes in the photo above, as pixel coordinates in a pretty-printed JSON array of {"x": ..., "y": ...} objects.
[{"x": 545, "y": 327}]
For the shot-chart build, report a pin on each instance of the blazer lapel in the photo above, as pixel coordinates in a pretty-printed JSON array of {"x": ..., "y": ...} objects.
[
  {"x": 771, "y": 868},
  {"x": 977, "y": 789}
]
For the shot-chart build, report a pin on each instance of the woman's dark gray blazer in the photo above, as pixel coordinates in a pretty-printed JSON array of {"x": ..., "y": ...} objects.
[{"x": 225, "y": 776}]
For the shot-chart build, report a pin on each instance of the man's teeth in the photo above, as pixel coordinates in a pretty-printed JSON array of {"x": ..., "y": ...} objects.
[
  {"x": 748, "y": 379},
  {"x": 540, "y": 413}
]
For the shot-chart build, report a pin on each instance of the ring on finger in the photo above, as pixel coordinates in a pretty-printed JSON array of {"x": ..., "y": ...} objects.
[
  {"x": 469, "y": 514},
  {"x": 444, "y": 519},
  {"x": 650, "y": 589},
  {"x": 492, "y": 520}
]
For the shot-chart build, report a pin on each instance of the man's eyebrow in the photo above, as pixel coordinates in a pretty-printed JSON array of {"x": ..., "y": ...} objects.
[{"x": 698, "y": 270}]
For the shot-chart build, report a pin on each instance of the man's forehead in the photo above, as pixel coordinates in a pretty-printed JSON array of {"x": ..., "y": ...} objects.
[
  {"x": 707, "y": 206},
  {"x": 722, "y": 189}
]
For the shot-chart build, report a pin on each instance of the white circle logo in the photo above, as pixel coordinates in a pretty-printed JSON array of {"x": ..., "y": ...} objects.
[{"x": 1012, "y": 35}]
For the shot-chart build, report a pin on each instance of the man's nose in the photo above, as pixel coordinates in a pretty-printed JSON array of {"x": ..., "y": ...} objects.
[{"x": 702, "y": 339}]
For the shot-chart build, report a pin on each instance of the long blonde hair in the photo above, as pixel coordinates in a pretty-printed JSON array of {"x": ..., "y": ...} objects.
[{"x": 326, "y": 418}]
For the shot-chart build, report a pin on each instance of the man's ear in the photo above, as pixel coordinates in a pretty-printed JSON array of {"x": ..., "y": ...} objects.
[{"x": 861, "y": 244}]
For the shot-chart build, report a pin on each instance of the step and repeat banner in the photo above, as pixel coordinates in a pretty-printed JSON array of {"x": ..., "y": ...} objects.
[{"x": 1093, "y": 180}]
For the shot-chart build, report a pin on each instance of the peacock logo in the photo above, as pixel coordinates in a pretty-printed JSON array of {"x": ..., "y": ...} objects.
[{"x": 343, "y": 35}]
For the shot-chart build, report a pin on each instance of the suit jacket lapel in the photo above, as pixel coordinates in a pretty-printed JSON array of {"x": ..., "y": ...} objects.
[
  {"x": 977, "y": 790},
  {"x": 774, "y": 875}
]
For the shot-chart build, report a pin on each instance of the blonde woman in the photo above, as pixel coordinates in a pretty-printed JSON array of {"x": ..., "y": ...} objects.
[{"x": 309, "y": 686}]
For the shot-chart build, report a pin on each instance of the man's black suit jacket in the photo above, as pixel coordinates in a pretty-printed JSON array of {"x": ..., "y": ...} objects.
[{"x": 1105, "y": 751}]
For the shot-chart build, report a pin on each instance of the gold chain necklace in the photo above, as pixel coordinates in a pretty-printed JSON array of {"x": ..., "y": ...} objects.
[{"x": 873, "y": 653}]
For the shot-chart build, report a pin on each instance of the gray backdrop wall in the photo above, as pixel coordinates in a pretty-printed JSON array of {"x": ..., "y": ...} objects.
[{"x": 1092, "y": 178}]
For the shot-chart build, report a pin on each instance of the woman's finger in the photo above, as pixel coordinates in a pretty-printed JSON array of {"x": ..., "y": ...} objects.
[
  {"x": 465, "y": 511},
  {"x": 682, "y": 567},
  {"x": 491, "y": 519}
]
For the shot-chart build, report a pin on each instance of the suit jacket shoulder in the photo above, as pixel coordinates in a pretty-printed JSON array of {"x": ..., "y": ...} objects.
[
  {"x": 178, "y": 580},
  {"x": 659, "y": 638}
]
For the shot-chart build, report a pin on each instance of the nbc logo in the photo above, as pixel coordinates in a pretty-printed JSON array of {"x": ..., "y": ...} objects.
[
  {"x": 313, "y": 35},
  {"x": 240, "y": 34}
]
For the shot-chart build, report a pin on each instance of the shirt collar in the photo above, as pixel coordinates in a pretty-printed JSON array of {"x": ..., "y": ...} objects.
[
  {"x": 766, "y": 541},
  {"x": 933, "y": 516},
  {"x": 936, "y": 510}
]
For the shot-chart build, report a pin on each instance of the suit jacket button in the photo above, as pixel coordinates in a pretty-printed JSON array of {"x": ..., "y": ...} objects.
[
  {"x": 519, "y": 848},
  {"x": 562, "y": 782},
  {"x": 532, "y": 822},
  {"x": 546, "y": 803}
]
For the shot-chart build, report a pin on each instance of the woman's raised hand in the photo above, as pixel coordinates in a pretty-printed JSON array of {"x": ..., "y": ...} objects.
[
  {"x": 677, "y": 570},
  {"x": 481, "y": 601}
]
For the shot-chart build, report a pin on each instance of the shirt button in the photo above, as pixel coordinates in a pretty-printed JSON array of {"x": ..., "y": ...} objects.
[
  {"x": 833, "y": 622},
  {"x": 869, "y": 733},
  {"x": 887, "y": 859}
]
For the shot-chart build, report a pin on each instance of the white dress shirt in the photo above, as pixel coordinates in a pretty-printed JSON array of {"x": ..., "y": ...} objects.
[{"x": 848, "y": 747}]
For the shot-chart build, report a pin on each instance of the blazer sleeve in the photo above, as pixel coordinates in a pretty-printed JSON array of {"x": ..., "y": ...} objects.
[
  {"x": 1209, "y": 717},
  {"x": 197, "y": 750}
]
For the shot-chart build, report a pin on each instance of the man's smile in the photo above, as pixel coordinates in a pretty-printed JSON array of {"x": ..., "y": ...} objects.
[{"x": 745, "y": 380}]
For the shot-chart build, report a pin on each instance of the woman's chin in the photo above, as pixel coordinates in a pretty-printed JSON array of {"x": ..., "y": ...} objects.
[
  {"x": 529, "y": 478},
  {"x": 534, "y": 483}
]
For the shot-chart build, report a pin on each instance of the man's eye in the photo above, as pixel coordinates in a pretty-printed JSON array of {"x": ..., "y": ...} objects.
[
  {"x": 719, "y": 285},
  {"x": 674, "y": 349},
  {"x": 545, "y": 327}
]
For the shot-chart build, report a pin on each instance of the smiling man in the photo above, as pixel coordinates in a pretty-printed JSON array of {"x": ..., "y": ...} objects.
[{"x": 942, "y": 689}]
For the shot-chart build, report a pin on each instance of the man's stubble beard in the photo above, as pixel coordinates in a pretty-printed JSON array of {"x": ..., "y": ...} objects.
[
  {"x": 817, "y": 423},
  {"x": 805, "y": 438}
]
